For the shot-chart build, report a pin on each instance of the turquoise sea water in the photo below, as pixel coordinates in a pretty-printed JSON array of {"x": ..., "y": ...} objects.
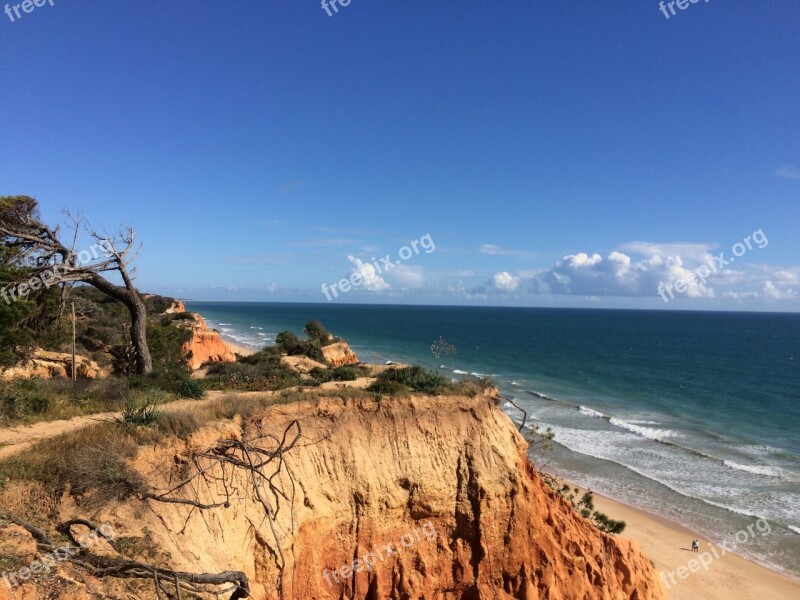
[{"x": 691, "y": 415}]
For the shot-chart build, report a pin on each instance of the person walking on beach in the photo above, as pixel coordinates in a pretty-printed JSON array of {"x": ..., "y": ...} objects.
[{"x": 695, "y": 546}]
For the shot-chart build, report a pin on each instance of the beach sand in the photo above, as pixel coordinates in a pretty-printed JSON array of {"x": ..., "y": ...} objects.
[
  {"x": 729, "y": 577},
  {"x": 238, "y": 348}
]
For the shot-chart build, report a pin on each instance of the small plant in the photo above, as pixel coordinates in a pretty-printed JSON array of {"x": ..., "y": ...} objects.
[
  {"x": 191, "y": 388},
  {"x": 607, "y": 525},
  {"x": 540, "y": 442},
  {"x": 140, "y": 412},
  {"x": 585, "y": 506}
]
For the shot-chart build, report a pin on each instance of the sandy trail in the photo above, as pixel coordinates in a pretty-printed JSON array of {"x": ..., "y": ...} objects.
[{"x": 17, "y": 439}]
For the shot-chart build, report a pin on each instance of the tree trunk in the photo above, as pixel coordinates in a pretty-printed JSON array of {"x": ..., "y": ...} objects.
[
  {"x": 130, "y": 298},
  {"x": 144, "y": 363}
]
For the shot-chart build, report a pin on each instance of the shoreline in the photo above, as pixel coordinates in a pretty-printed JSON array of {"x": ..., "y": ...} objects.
[
  {"x": 237, "y": 347},
  {"x": 667, "y": 545}
]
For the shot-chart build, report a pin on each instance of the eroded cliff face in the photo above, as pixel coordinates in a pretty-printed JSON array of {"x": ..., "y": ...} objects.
[
  {"x": 339, "y": 354},
  {"x": 49, "y": 365},
  {"x": 426, "y": 497},
  {"x": 205, "y": 345},
  {"x": 177, "y": 307}
]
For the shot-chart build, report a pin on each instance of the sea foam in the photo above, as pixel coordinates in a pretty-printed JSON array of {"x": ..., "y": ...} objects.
[
  {"x": 589, "y": 412},
  {"x": 755, "y": 469},
  {"x": 647, "y": 432}
]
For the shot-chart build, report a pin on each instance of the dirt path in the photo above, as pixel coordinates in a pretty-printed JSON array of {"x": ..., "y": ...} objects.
[{"x": 17, "y": 439}]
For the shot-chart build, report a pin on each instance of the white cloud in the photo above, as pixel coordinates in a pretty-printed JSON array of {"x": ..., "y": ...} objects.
[
  {"x": 740, "y": 295},
  {"x": 769, "y": 291},
  {"x": 617, "y": 275},
  {"x": 369, "y": 275},
  {"x": 406, "y": 276},
  {"x": 788, "y": 172},
  {"x": 505, "y": 282},
  {"x": 699, "y": 252},
  {"x": 457, "y": 288},
  {"x": 772, "y": 292},
  {"x": 495, "y": 250}
]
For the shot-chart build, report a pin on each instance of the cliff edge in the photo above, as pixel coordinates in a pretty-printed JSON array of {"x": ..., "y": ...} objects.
[
  {"x": 419, "y": 497},
  {"x": 205, "y": 345}
]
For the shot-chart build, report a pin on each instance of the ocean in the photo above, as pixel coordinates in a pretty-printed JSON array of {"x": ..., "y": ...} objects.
[{"x": 693, "y": 416}]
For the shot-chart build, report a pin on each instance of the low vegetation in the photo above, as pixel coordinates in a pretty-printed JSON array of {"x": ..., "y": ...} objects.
[
  {"x": 419, "y": 380},
  {"x": 92, "y": 462},
  {"x": 140, "y": 411},
  {"x": 583, "y": 504},
  {"x": 260, "y": 371},
  {"x": 343, "y": 373},
  {"x": 27, "y": 401}
]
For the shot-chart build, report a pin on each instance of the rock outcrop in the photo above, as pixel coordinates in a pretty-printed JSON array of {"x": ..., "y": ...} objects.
[
  {"x": 50, "y": 365},
  {"x": 302, "y": 364},
  {"x": 417, "y": 498},
  {"x": 177, "y": 307},
  {"x": 339, "y": 354},
  {"x": 205, "y": 345}
]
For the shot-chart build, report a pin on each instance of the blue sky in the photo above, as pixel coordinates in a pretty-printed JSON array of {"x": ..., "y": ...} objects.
[{"x": 557, "y": 153}]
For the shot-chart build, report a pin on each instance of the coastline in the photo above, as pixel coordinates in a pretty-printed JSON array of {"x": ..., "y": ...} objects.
[
  {"x": 237, "y": 347},
  {"x": 667, "y": 544}
]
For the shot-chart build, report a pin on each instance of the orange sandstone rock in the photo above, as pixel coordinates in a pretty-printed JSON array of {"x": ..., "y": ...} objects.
[
  {"x": 425, "y": 497},
  {"x": 339, "y": 354},
  {"x": 206, "y": 345}
]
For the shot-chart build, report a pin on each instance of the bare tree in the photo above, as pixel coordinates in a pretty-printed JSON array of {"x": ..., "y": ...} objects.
[
  {"x": 442, "y": 346},
  {"x": 54, "y": 261}
]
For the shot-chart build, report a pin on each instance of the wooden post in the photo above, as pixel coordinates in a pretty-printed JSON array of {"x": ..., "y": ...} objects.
[{"x": 74, "y": 371}]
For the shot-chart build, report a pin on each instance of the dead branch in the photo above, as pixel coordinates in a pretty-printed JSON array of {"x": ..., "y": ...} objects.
[
  {"x": 121, "y": 568},
  {"x": 263, "y": 467}
]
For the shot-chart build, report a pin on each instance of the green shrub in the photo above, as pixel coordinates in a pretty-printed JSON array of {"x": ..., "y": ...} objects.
[
  {"x": 316, "y": 331},
  {"x": 344, "y": 373},
  {"x": 418, "y": 379},
  {"x": 141, "y": 411},
  {"x": 607, "y": 525},
  {"x": 293, "y": 346},
  {"x": 23, "y": 398},
  {"x": 265, "y": 372},
  {"x": 166, "y": 345},
  {"x": 266, "y": 355},
  {"x": 286, "y": 339},
  {"x": 382, "y": 386},
  {"x": 190, "y": 388}
]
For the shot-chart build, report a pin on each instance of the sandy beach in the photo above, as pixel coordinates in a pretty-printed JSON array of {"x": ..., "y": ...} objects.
[
  {"x": 667, "y": 544},
  {"x": 238, "y": 348}
]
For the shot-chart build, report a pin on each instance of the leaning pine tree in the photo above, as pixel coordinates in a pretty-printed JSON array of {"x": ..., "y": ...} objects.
[{"x": 58, "y": 263}]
